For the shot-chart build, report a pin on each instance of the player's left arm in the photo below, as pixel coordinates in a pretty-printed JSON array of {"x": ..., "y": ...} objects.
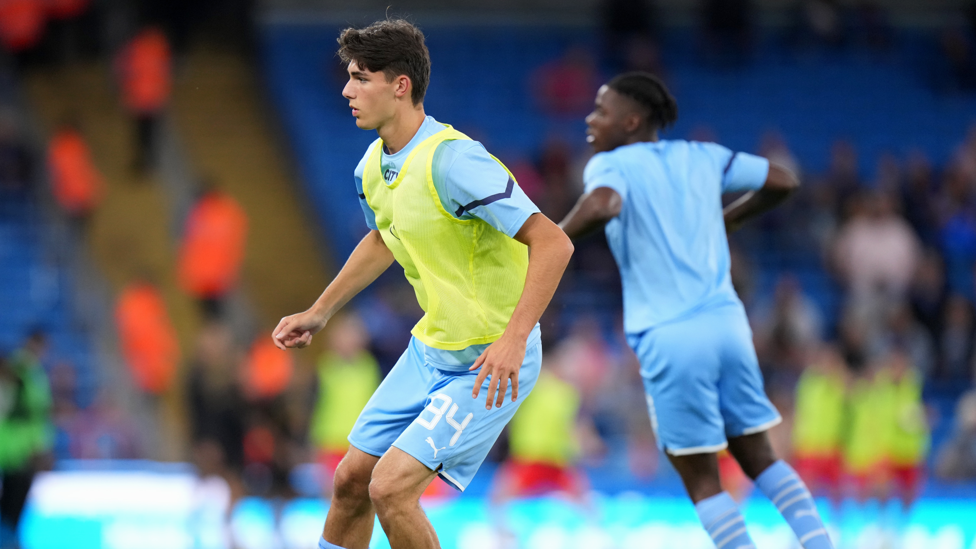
[
  {"x": 779, "y": 185},
  {"x": 549, "y": 253}
]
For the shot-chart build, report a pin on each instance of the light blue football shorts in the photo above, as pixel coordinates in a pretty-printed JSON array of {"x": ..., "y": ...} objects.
[
  {"x": 702, "y": 381},
  {"x": 428, "y": 413}
]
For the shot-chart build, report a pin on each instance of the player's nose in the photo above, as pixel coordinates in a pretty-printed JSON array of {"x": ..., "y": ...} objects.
[{"x": 347, "y": 90}]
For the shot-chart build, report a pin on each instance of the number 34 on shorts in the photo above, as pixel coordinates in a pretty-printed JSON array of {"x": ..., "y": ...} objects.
[{"x": 439, "y": 404}]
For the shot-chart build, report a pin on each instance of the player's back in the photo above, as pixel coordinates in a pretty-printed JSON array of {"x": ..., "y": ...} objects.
[{"x": 669, "y": 239}]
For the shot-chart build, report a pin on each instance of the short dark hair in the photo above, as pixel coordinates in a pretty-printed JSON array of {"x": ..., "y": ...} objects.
[
  {"x": 651, "y": 94},
  {"x": 393, "y": 46}
]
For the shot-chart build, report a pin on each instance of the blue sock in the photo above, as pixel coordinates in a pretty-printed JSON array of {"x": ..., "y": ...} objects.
[
  {"x": 326, "y": 545},
  {"x": 789, "y": 494},
  {"x": 723, "y": 521}
]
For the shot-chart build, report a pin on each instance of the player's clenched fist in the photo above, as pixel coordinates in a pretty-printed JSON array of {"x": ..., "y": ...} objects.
[{"x": 296, "y": 331}]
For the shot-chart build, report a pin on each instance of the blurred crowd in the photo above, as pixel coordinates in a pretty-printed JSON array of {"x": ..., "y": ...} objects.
[{"x": 861, "y": 292}]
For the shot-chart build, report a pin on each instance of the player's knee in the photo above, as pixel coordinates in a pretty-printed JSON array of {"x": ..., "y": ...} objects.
[
  {"x": 351, "y": 482},
  {"x": 384, "y": 493}
]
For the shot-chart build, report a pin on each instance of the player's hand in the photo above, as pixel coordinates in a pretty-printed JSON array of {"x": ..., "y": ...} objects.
[
  {"x": 296, "y": 331},
  {"x": 501, "y": 360}
]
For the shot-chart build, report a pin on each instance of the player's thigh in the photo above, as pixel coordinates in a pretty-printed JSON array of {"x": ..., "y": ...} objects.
[
  {"x": 680, "y": 369},
  {"x": 745, "y": 407},
  {"x": 454, "y": 432},
  {"x": 397, "y": 401}
]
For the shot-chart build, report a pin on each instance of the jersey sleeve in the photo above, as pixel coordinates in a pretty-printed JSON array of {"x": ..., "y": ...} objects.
[
  {"x": 602, "y": 171},
  {"x": 740, "y": 171},
  {"x": 358, "y": 176},
  {"x": 472, "y": 184}
]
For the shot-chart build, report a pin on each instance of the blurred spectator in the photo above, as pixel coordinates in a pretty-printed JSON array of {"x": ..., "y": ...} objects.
[
  {"x": 78, "y": 186},
  {"x": 103, "y": 431},
  {"x": 16, "y": 161},
  {"x": 216, "y": 405},
  {"x": 819, "y": 421},
  {"x": 904, "y": 332},
  {"x": 728, "y": 29},
  {"x": 144, "y": 72},
  {"x": 773, "y": 147},
  {"x": 21, "y": 24},
  {"x": 788, "y": 327},
  {"x": 956, "y": 458},
  {"x": 68, "y": 27},
  {"x": 212, "y": 250},
  {"x": 147, "y": 337},
  {"x": 876, "y": 252},
  {"x": 957, "y": 235},
  {"x": 865, "y": 446},
  {"x": 843, "y": 175},
  {"x": 26, "y": 430},
  {"x": 347, "y": 377},
  {"x": 907, "y": 426},
  {"x": 928, "y": 293},
  {"x": 543, "y": 442},
  {"x": 554, "y": 167},
  {"x": 918, "y": 197},
  {"x": 956, "y": 341},
  {"x": 566, "y": 86}
]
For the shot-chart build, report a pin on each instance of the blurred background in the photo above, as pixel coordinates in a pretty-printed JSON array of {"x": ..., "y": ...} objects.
[{"x": 176, "y": 175}]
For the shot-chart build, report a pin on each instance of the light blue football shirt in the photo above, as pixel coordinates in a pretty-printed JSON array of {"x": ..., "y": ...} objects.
[
  {"x": 471, "y": 184},
  {"x": 669, "y": 239}
]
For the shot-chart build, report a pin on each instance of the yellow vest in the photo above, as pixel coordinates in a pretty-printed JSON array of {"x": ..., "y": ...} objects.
[
  {"x": 344, "y": 389},
  {"x": 909, "y": 436},
  {"x": 468, "y": 276},
  {"x": 819, "y": 419},
  {"x": 544, "y": 428}
]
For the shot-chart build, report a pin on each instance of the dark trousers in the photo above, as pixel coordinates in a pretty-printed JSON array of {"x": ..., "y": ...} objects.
[
  {"x": 13, "y": 496},
  {"x": 146, "y": 130}
]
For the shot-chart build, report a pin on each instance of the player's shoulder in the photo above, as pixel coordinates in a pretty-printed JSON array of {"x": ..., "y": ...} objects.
[{"x": 361, "y": 166}]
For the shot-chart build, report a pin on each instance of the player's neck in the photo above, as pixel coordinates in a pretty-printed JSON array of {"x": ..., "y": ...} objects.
[
  {"x": 643, "y": 137},
  {"x": 398, "y": 132}
]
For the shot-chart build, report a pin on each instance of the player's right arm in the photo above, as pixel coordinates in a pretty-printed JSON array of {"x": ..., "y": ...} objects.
[
  {"x": 602, "y": 199},
  {"x": 367, "y": 262}
]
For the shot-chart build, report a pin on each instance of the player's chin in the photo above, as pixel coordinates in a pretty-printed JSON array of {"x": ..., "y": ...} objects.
[{"x": 364, "y": 124}]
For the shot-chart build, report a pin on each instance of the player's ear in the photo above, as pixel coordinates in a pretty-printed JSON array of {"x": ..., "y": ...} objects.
[
  {"x": 402, "y": 87},
  {"x": 632, "y": 122}
]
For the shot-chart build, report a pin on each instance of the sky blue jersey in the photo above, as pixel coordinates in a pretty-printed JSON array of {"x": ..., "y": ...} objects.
[{"x": 669, "y": 239}]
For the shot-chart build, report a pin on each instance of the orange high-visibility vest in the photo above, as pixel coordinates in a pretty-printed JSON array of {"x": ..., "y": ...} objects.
[
  {"x": 148, "y": 339},
  {"x": 213, "y": 246},
  {"x": 269, "y": 369},
  {"x": 77, "y": 184},
  {"x": 145, "y": 72}
]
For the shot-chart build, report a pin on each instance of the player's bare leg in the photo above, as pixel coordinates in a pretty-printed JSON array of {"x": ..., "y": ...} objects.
[
  {"x": 753, "y": 452},
  {"x": 782, "y": 486},
  {"x": 699, "y": 472},
  {"x": 398, "y": 482},
  {"x": 349, "y": 523}
]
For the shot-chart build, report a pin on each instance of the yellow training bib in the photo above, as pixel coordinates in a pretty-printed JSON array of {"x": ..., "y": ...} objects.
[{"x": 467, "y": 275}]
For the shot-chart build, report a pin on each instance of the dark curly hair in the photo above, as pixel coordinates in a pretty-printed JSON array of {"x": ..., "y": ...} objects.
[
  {"x": 393, "y": 46},
  {"x": 651, "y": 94}
]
